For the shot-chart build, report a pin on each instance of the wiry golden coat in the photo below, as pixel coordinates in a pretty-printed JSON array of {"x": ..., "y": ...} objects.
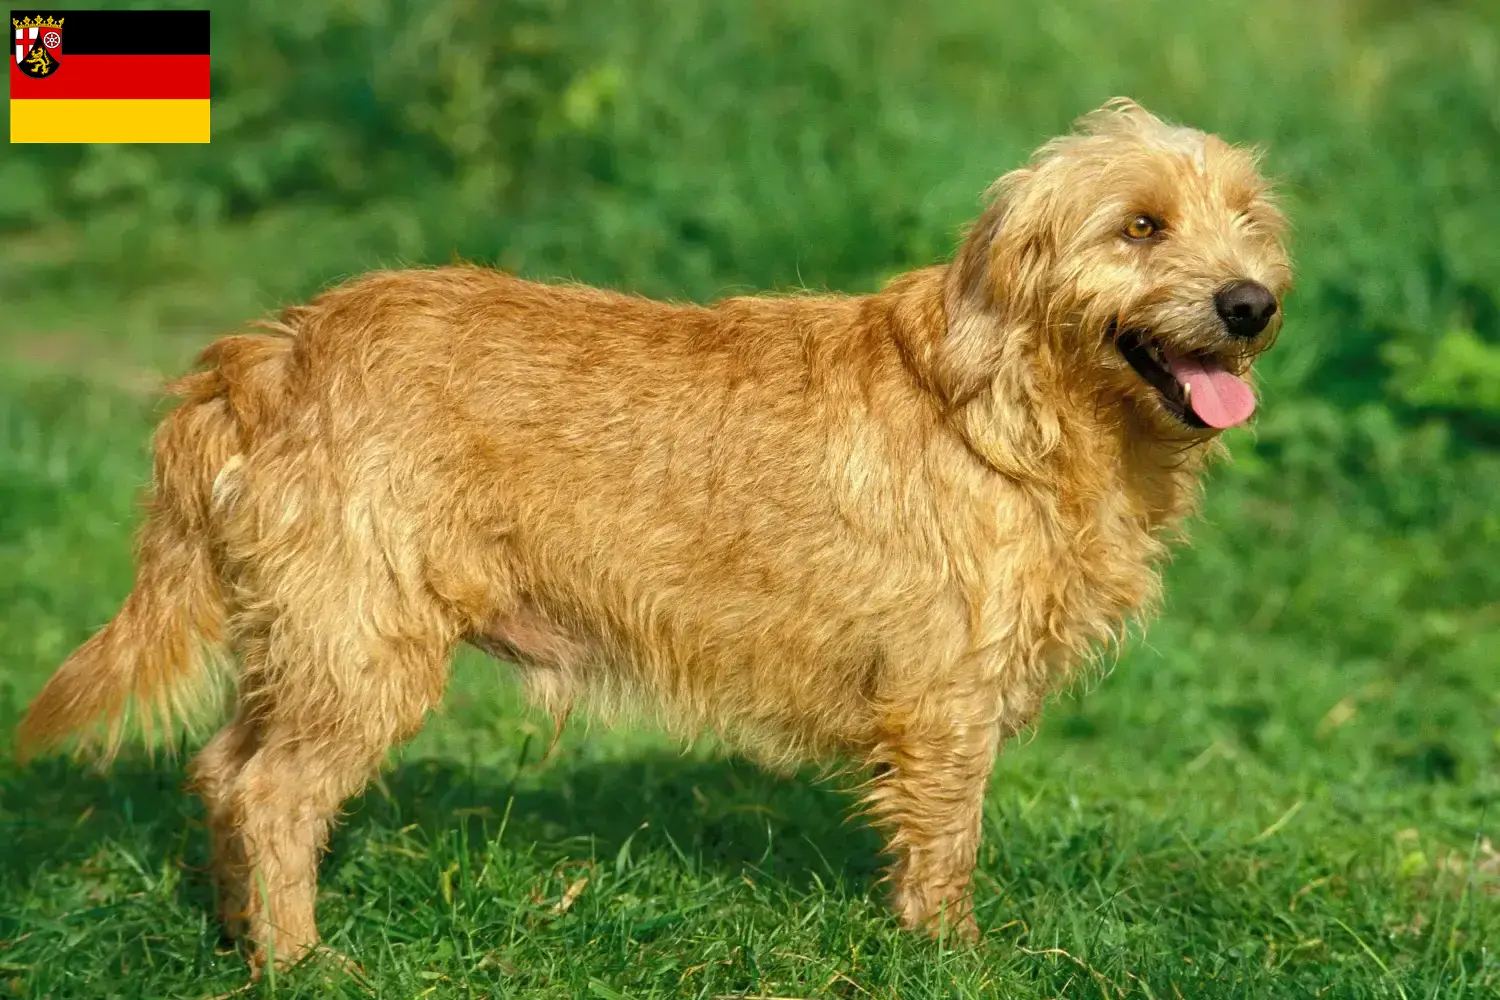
[{"x": 879, "y": 528}]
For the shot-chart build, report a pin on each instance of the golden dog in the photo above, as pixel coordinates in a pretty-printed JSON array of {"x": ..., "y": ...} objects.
[{"x": 876, "y": 528}]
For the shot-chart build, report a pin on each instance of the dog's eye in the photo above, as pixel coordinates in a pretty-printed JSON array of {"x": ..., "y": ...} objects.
[{"x": 1142, "y": 227}]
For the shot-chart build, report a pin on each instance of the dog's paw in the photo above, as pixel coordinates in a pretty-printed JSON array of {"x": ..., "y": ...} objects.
[
  {"x": 319, "y": 960},
  {"x": 956, "y": 926},
  {"x": 336, "y": 961}
]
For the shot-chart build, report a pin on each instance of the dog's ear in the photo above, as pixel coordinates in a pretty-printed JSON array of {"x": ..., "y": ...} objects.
[{"x": 993, "y": 293}]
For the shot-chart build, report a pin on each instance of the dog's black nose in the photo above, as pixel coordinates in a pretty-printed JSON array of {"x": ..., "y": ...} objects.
[{"x": 1245, "y": 307}]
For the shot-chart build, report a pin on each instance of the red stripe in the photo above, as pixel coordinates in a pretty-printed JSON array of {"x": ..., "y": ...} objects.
[{"x": 83, "y": 77}]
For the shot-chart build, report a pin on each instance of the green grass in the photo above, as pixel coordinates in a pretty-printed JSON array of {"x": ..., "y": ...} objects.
[{"x": 1289, "y": 788}]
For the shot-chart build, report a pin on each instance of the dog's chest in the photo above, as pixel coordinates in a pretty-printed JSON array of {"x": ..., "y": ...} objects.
[{"x": 1058, "y": 580}]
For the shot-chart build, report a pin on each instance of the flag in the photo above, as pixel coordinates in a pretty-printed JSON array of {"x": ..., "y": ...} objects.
[{"x": 109, "y": 76}]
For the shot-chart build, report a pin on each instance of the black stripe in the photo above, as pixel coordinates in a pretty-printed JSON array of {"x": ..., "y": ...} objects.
[{"x": 127, "y": 32}]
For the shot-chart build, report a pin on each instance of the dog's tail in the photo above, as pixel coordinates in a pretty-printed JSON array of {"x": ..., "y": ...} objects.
[{"x": 155, "y": 664}]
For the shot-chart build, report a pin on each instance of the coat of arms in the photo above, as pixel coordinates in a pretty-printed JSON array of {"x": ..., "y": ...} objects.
[{"x": 38, "y": 44}]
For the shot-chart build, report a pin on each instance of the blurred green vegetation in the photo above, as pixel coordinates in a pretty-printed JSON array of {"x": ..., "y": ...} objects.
[{"x": 1328, "y": 659}]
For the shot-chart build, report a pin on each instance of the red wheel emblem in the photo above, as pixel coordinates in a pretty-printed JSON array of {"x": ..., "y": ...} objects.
[{"x": 52, "y": 39}]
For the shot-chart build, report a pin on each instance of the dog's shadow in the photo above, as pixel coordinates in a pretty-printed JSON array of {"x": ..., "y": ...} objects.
[
  {"x": 722, "y": 814},
  {"x": 719, "y": 815}
]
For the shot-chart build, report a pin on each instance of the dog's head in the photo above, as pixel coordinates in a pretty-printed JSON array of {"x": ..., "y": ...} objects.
[{"x": 1144, "y": 259}]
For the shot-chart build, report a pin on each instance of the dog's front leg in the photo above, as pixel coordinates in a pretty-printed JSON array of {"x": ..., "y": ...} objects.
[{"x": 933, "y": 766}]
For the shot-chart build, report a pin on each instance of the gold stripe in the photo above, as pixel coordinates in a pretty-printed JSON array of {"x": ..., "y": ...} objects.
[{"x": 109, "y": 121}]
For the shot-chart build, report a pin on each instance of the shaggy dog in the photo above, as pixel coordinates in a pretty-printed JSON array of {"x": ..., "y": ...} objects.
[{"x": 876, "y": 528}]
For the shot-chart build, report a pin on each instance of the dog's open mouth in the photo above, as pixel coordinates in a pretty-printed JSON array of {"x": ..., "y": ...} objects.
[{"x": 1195, "y": 388}]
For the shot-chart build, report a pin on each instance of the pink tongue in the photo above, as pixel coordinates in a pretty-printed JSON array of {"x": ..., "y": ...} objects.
[{"x": 1219, "y": 398}]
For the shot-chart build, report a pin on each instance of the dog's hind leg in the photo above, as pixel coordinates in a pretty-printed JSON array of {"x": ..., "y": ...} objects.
[
  {"x": 330, "y": 698},
  {"x": 214, "y": 771}
]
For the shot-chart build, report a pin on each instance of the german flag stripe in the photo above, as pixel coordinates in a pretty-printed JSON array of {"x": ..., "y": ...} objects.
[
  {"x": 128, "y": 32},
  {"x": 115, "y": 77},
  {"x": 109, "y": 121}
]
